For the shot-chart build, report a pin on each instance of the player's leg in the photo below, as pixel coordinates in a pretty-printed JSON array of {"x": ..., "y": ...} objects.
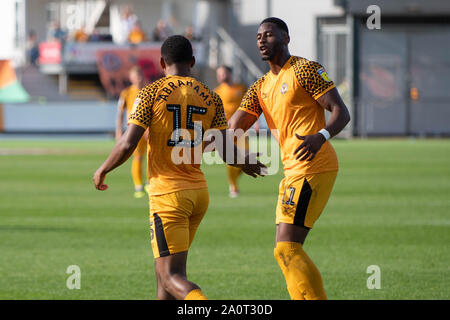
[
  {"x": 172, "y": 272},
  {"x": 300, "y": 205},
  {"x": 136, "y": 169},
  {"x": 201, "y": 197},
  {"x": 136, "y": 174},
  {"x": 303, "y": 279},
  {"x": 169, "y": 223},
  {"x": 233, "y": 174},
  {"x": 161, "y": 293},
  {"x": 201, "y": 205}
]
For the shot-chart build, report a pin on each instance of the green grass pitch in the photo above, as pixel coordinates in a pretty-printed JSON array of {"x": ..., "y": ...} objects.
[{"x": 390, "y": 207}]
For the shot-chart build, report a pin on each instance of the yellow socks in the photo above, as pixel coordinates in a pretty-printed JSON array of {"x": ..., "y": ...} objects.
[
  {"x": 136, "y": 172},
  {"x": 195, "y": 294},
  {"x": 302, "y": 276},
  {"x": 233, "y": 174}
]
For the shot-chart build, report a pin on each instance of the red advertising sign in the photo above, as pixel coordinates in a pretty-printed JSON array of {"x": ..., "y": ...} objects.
[
  {"x": 114, "y": 65},
  {"x": 50, "y": 52}
]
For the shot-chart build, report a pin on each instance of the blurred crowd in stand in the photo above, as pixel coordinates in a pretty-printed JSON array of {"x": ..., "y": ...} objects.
[{"x": 131, "y": 30}]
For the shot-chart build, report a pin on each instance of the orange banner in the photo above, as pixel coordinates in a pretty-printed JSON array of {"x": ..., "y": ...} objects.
[{"x": 114, "y": 65}]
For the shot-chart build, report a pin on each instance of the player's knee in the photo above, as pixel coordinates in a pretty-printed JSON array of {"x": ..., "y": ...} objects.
[
  {"x": 277, "y": 253},
  {"x": 166, "y": 284},
  {"x": 282, "y": 255},
  {"x": 169, "y": 280},
  {"x": 164, "y": 279}
]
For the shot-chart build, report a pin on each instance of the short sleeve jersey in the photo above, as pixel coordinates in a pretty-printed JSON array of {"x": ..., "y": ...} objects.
[
  {"x": 128, "y": 95},
  {"x": 177, "y": 111},
  {"x": 288, "y": 101},
  {"x": 231, "y": 97}
]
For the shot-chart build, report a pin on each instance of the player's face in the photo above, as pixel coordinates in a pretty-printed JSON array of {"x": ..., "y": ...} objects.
[
  {"x": 270, "y": 40},
  {"x": 136, "y": 77},
  {"x": 222, "y": 75}
]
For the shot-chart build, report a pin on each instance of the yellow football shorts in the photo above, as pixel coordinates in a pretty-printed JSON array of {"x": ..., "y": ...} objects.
[
  {"x": 141, "y": 148},
  {"x": 174, "y": 219},
  {"x": 302, "y": 200}
]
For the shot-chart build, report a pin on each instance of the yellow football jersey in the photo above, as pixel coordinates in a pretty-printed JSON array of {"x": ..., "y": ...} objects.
[
  {"x": 288, "y": 101},
  {"x": 231, "y": 97},
  {"x": 177, "y": 111},
  {"x": 128, "y": 95}
]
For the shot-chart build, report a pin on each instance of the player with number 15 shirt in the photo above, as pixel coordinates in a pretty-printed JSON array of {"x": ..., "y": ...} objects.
[
  {"x": 166, "y": 105},
  {"x": 177, "y": 110}
]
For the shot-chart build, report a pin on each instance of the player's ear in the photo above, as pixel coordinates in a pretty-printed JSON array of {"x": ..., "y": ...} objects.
[
  {"x": 286, "y": 39},
  {"x": 162, "y": 63},
  {"x": 192, "y": 62}
]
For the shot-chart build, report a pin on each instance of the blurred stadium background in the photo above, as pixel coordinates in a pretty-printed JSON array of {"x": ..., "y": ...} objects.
[
  {"x": 63, "y": 64},
  {"x": 69, "y": 55}
]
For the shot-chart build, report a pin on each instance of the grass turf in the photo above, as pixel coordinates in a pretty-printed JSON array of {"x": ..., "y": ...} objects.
[{"x": 390, "y": 207}]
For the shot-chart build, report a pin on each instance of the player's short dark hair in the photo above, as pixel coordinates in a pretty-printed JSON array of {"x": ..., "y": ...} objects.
[
  {"x": 278, "y": 22},
  {"x": 176, "y": 49}
]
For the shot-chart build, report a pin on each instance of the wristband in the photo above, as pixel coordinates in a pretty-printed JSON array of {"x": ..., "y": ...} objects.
[{"x": 325, "y": 133}]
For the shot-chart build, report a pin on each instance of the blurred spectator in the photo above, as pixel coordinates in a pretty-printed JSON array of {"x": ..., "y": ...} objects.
[
  {"x": 56, "y": 33},
  {"x": 95, "y": 36},
  {"x": 136, "y": 35},
  {"x": 129, "y": 19},
  {"x": 231, "y": 94},
  {"x": 32, "y": 48},
  {"x": 189, "y": 34},
  {"x": 172, "y": 24},
  {"x": 106, "y": 37},
  {"x": 81, "y": 35},
  {"x": 162, "y": 32}
]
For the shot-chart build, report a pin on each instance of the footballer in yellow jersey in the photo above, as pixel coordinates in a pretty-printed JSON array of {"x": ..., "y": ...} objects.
[
  {"x": 293, "y": 97},
  {"x": 178, "y": 111},
  {"x": 231, "y": 94},
  {"x": 125, "y": 104},
  {"x": 172, "y": 103}
]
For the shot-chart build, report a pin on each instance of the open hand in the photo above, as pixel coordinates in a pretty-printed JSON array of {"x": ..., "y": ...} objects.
[
  {"x": 310, "y": 146},
  {"x": 251, "y": 168}
]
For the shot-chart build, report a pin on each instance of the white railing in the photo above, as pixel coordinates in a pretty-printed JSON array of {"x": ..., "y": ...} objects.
[{"x": 225, "y": 50}]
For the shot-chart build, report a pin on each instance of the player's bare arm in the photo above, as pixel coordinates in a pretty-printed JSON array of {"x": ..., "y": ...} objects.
[
  {"x": 244, "y": 120},
  {"x": 241, "y": 120},
  {"x": 119, "y": 118},
  {"x": 256, "y": 126},
  {"x": 250, "y": 166},
  {"x": 121, "y": 152},
  {"x": 338, "y": 120}
]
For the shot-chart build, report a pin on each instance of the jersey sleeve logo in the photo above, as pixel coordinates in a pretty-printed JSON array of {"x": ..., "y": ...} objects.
[
  {"x": 323, "y": 74},
  {"x": 135, "y": 104}
]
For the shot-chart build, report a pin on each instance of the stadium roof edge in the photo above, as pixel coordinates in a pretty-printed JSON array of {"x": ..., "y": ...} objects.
[{"x": 397, "y": 7}]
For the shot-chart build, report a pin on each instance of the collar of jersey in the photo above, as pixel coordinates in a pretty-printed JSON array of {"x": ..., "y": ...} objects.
[
  {"x": 177, "y": 76},
  {"x": 285, "y": 66}
]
